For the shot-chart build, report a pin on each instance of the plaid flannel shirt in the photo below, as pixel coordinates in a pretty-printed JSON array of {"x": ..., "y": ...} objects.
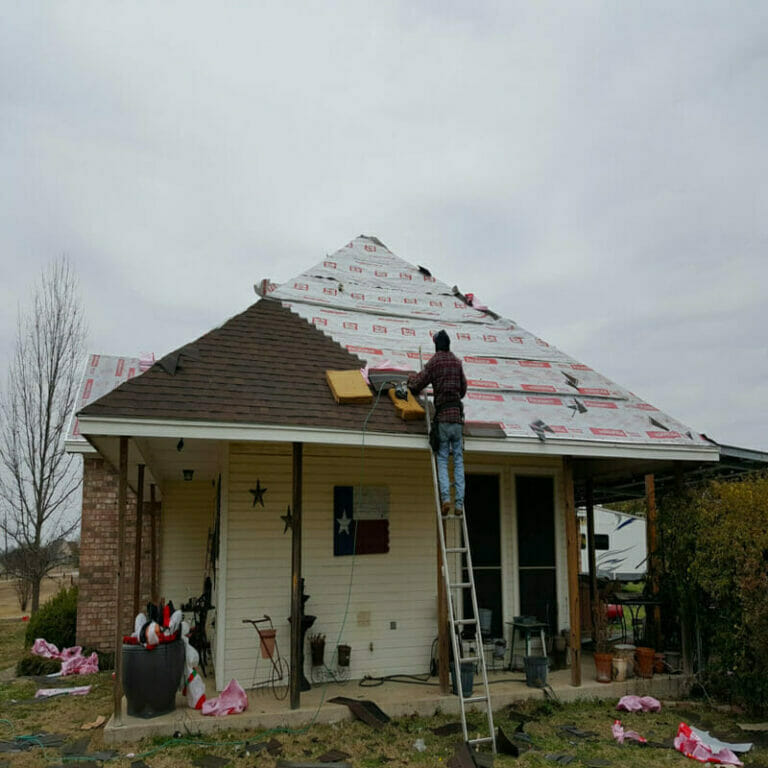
[{"x": 445, "y": 374}]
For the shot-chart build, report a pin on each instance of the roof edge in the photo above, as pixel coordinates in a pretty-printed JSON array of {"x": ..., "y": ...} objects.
[{"x": 279, "y": 433}]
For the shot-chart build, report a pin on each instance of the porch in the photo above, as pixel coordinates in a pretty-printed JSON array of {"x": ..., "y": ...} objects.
[{"x": 395, "y": 698}]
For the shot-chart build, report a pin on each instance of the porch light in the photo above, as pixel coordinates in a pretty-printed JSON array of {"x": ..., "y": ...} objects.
[{"x": 187, "y": 474}]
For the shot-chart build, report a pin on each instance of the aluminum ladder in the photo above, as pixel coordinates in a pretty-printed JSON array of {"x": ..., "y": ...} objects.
[{"x": 455, "y": 591}]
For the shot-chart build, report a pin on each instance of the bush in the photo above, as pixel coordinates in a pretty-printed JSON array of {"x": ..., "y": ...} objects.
[
  {"x": 56, "y": 621},
  {"x": 36, "y": 665}
]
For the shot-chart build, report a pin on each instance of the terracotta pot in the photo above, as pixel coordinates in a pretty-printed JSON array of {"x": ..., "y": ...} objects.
[
  {"x": 658, "y": 663},
  {"x": 645, "y": 660},
  {"x": 267, "y": 643},
  {"x": 603, "y": 667}
]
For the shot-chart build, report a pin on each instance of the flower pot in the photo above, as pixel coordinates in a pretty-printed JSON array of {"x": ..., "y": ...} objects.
[
  {"x": 603, "y": 667},
  {"x": 151, "y": 678},
  {"x": 673, "y": 661},
  {"x": 344, "y": 652},
  {"x": 626, "y": 651},
  {"x": 644, "y": 657},
  {"x": 619, "y": 669},
  {"x": 658, "y": 663},
  {"x": 267, "y": 643}
]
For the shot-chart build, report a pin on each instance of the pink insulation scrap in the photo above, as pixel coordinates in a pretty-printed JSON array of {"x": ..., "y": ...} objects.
[
  {"x": 617, "y": 729},
  {"x": 638, "y": 704},
  {"x": 690, "y": 742},
  {"x": 231, "y": 701},
  {"x": 72, "y": 660}
]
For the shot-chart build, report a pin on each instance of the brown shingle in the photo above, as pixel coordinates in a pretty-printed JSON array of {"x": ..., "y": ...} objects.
[{"x": 264, "y": 366}]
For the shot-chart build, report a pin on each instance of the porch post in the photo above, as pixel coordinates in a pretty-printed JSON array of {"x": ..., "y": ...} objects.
[
  {"x": 296, "y": 607},
  {"x": 651, "y": 529},
  {"x": 572, "y": 545},
  {"x": 153, "y": 545},
  {"x": 443, "y": 638},
  {"x": 122, "y": 496},
  {"x": 137, "y": 553},
  {"x": 589, "y": 493}
]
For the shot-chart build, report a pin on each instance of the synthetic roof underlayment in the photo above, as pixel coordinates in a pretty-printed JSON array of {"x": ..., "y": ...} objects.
[
  {"x": 384, "y": 310},
  {"x": 101, "y": 374}
]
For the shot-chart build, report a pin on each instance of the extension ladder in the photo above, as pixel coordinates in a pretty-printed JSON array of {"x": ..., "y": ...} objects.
[{"x": 455, "y": 591}]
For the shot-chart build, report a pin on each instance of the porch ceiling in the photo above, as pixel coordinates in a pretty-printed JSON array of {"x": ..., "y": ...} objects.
[{"x": 163, "y": 460}]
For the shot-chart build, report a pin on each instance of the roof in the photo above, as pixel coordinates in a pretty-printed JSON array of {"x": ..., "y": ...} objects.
[
  {"x": 265, "y": 365},
  {"x": 363, "y": 304},
  {"x": 382, "y": 308}
]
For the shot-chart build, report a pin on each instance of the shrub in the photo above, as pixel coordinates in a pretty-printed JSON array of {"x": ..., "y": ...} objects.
[
  {"x": 56, "y": 621},
  {"x": 31, "y": 665}
]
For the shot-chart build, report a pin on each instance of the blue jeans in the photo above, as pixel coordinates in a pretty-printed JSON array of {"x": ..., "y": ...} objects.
[{"x": 450, "y": 439}]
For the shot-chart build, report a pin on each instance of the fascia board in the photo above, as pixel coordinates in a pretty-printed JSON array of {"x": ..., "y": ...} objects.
[
  {"x": 78, "y": 446},
  {"x": 276, "y": 433}
]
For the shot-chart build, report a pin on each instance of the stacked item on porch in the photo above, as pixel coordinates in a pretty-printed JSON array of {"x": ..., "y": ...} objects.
[{"x": 159, "y": 625}]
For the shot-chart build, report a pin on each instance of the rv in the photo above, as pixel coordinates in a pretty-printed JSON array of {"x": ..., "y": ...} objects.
[{"x": 620, "y": 548}]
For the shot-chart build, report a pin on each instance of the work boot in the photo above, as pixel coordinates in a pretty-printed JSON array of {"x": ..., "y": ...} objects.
[
  {"x": 446, "y": 507},
  {"x": 458, "y": 510}
]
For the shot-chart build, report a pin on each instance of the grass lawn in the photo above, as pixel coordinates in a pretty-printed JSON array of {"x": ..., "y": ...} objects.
[{"x": 542, "y": 720}]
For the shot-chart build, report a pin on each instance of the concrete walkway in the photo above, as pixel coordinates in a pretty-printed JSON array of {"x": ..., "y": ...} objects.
[{"x": 396, "y": 699}]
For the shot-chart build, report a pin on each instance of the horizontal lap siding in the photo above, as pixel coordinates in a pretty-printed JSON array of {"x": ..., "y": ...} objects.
[
  {"x": 399, "y": 586},
  {"x": 186, "y": 517}
]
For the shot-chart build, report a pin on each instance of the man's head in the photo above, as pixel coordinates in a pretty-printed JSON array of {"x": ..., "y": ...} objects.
[{"x": 442, "y": 342}]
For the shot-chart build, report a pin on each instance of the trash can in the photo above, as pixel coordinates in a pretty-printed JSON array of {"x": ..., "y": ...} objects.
[
  {"x": 151, "y": 678},
  {"x": 467, "y": 678},
  {"x": 535, "y": 671}
]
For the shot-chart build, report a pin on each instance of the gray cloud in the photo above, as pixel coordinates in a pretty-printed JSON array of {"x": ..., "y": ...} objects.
[{"x": 596, "y": 171}]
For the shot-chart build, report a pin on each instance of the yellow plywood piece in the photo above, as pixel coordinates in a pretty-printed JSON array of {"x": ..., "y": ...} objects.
[
  {"x": 408, "y": 410},
  {"x": 348, "y": 386}
]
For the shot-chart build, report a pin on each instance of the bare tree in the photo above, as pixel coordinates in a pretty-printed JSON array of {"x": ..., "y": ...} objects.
[{"x": 38, "y": 481}]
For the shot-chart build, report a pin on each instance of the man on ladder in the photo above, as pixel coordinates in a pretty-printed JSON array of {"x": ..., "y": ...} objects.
[{"x": 446, "y": 375}]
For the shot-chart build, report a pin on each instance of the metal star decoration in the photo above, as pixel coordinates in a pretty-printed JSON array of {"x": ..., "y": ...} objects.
[
  {"x": 287, "y": 518},
  {"x": 258, "y": 493}
]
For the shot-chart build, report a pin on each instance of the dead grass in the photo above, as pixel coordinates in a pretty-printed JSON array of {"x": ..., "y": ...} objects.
[
  {"x": 11, "y": 641},
  {"x": 392, "y": 746}
]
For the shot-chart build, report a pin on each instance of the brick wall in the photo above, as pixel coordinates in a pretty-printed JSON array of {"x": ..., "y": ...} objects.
[{"x": 98, "y": 557}]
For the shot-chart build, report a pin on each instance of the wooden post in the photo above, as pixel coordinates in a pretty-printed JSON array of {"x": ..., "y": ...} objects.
[
  {"x": 572, "y": 545},
  {"x": 593, "y": 594},
  {"x": 153, "y": 545},
  {"x": 137, "y": 553},
  {"x": 443, "y": 638},
  {"x": 296, "y": 607},
  {"x": 651, "y": 530},
  {"x": 122, "y": 498}
]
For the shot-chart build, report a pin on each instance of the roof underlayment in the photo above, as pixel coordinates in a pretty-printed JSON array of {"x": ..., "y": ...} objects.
[{"x": 384, "y": 310}]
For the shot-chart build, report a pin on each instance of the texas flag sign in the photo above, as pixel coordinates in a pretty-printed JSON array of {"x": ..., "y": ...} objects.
[{"x": 360, "y": 520}]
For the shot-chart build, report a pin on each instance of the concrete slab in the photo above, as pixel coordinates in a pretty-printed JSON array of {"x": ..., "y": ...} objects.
[{"x": 395, "y": 698}]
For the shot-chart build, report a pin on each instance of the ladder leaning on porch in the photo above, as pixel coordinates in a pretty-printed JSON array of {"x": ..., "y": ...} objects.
[{"x": 454, "y": 592}]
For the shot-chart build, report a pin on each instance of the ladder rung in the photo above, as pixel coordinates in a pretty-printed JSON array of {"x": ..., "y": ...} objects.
[
  {"x": 460, "y": 585},
  {"x": 469, "y": 658},
  {"x": 481, "y": 740},
  {"x": 465, "y": 621},
  {"x": 475, "y": 698},
  {"x": 456, "y": 549}
]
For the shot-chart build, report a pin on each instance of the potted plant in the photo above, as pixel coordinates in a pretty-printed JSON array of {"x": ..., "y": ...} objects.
[{"x": 602, "y": 654}]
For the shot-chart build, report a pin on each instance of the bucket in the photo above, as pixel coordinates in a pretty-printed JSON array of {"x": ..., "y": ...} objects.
[
  {"x": 267, "y": 643},
  {"x": 645, "y": 661},
  {"x": 151, "y": 678},
  {"x": 535, "y": 671},
  {"x": 499, "y": 648},
  {"x": 343, "y": 653},
  {"x": 467, "y": 678},
  {"x": 626, "y": 651},
  {"x": 619, "y": 669}
]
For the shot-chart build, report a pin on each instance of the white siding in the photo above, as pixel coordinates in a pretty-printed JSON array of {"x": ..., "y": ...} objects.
[
  {"x": 187, "y": 514},
  {"x": 355, "y": 599}
]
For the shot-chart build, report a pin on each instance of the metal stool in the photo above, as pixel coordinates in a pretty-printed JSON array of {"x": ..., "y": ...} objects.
[{"x": 525, "y": 630}]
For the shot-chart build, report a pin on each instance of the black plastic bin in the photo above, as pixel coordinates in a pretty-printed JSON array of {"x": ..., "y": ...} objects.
[{"x": 151, "y": 678}]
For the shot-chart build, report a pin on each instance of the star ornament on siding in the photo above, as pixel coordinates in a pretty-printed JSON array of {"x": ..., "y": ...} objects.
[
  {"x": 287, "y": 518},
  {"x": 344, "y": 522},
  {"x": 258, "y": 493}
]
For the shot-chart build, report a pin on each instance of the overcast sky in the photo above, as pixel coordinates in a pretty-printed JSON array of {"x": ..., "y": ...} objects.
[{"x": 595, "y": 171}]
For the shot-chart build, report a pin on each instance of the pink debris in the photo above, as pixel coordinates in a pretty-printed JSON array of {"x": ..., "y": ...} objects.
[
  {"x": 620, "y": 734},
  {"x": 44, "y": 693},
  {"x": 691, "y": 745},
  {"x": 232, "y": 700},
  {"x": 638, "y": 704},
  {"x": 72, "y": 660}
]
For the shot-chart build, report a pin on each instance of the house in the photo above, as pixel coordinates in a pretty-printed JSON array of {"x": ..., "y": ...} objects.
[{"x": 232, "y": 459}]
